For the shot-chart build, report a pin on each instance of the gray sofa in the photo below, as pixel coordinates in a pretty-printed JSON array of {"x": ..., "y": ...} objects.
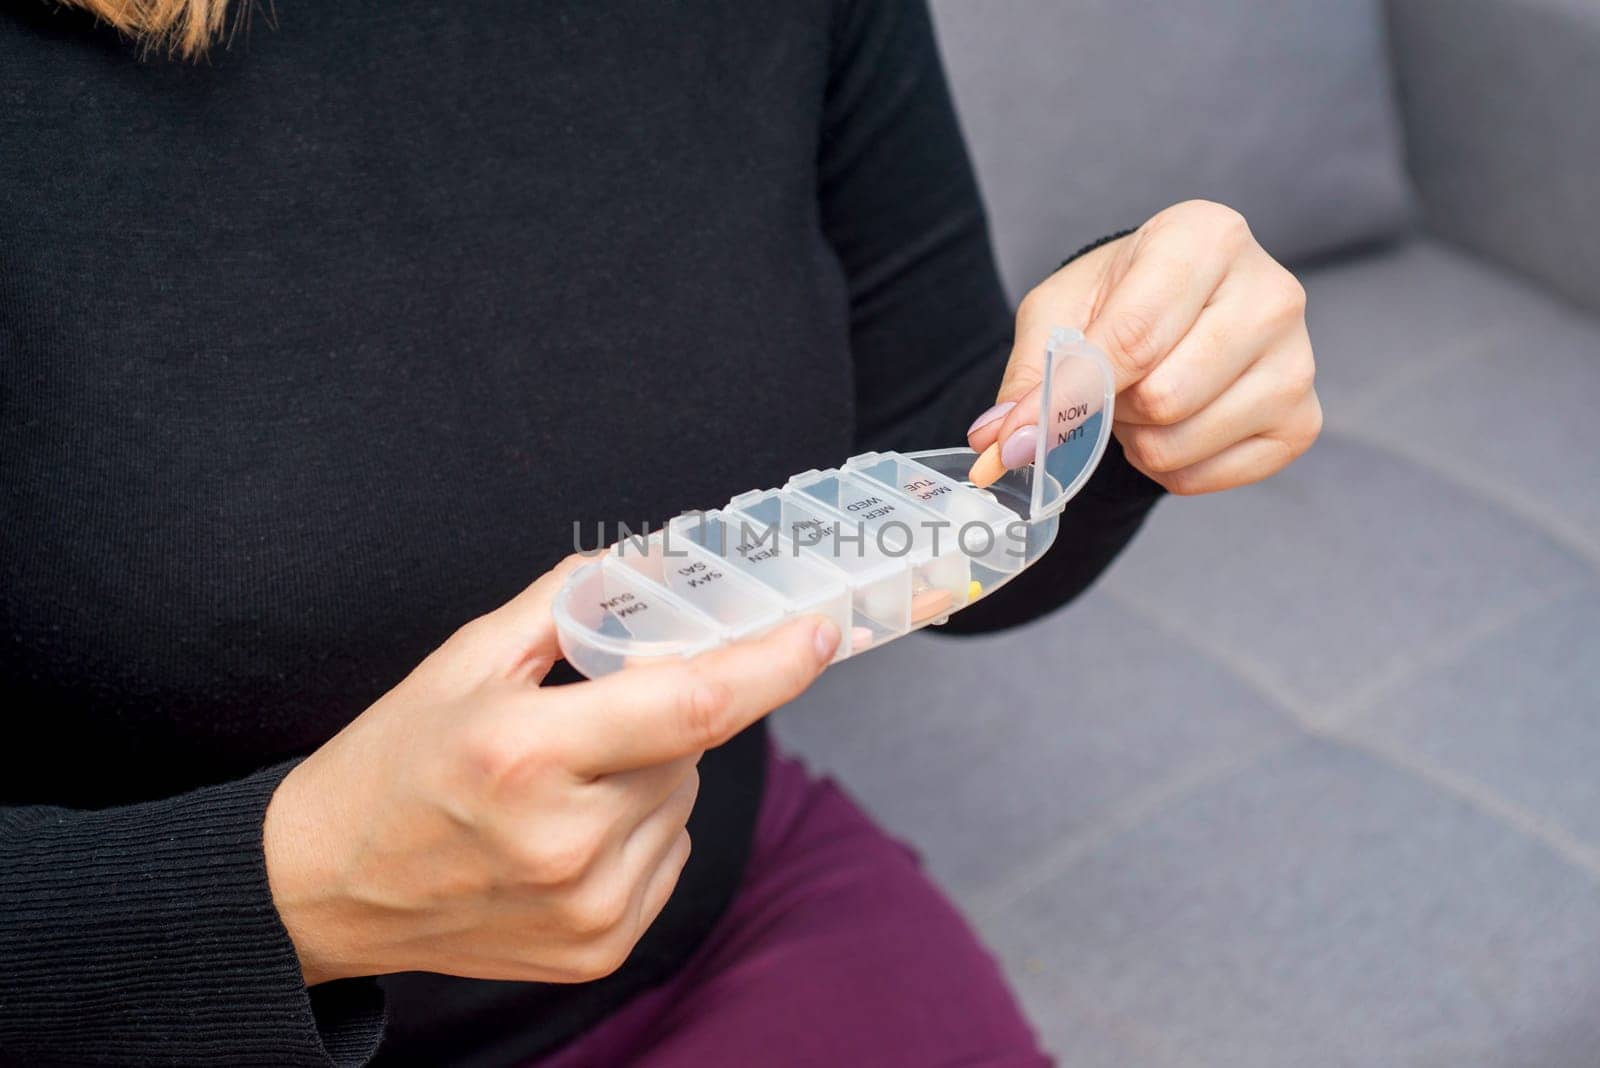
[{"x": 1312, "y": 776}]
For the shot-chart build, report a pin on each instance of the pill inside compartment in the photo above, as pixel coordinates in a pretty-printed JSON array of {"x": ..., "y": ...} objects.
[
  {"x": 1013, "y": 492},
  {"x": 737, "y": 605},
  {"x": 610, "y": 617},
  {"x": 993, "y": 536},
  {"x": 765, "y": 554},
  {"x": 880, "y": 586},
  {"x": 885, "y": 519}
]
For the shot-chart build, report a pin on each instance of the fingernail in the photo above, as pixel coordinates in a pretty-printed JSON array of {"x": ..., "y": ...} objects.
[
  {"x": 826, "y": 639},
  {"x": 1019, "y": 448},
  {"x": 990, "y": 416}
]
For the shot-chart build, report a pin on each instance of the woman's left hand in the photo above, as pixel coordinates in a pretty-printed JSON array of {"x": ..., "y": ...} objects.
[{"x": 1207, "y": 337}]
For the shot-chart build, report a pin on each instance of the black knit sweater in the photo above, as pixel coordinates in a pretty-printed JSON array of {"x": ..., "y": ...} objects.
[{"x": 315, "y": 349}]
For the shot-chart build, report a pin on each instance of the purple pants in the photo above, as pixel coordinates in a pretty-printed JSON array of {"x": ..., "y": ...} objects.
[{"x": 836, "y": 951}]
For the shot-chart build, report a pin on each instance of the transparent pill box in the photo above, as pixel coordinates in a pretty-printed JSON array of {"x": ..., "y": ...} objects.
[{"x": 882, "y": 545}]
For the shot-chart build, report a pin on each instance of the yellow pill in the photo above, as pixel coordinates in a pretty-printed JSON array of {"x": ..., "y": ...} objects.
[{"x": 974, "y": 590}]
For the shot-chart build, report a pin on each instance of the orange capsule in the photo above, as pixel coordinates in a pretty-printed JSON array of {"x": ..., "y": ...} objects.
[
  {"x": 987, "y": 469},
  {"x": 930, "y": 604}
]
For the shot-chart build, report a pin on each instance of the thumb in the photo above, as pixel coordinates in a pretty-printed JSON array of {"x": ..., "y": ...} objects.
[
  {"x": 520, "y": 635},
  {"x": 1011, "y": 437},
  {"x": 1070, "y": 297}
]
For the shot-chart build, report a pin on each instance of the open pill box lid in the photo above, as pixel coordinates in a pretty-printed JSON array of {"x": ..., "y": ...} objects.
[
  {"x": 883, "y": 545},
  {"x": 1076, "y": 394}
]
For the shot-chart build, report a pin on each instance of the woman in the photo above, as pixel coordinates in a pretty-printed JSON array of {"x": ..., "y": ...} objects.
[{"x": 317, "y": 342}]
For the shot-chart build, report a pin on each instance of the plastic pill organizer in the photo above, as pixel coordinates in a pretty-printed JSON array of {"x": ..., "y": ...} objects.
[{"x": 883, "y": 545}]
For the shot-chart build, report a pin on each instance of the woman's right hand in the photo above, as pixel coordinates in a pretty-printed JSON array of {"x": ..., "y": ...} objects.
[{"x": 474, "y": 823}]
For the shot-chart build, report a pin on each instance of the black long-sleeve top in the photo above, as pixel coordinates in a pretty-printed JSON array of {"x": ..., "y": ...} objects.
[{"x": 314, "y": 349}]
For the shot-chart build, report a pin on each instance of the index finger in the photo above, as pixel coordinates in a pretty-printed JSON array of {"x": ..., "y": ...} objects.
[
  {"x": 1151, "y": 309},
  {"x": 1146, "y": 312},
  {"x": 654, "y": 713}
]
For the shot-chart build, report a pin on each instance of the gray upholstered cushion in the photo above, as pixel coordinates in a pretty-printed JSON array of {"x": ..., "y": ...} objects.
[
  {"x": 1501, "y": 129},
  {"x": 1308, "y": 779},
  {"x": 1087, "y": 116}
]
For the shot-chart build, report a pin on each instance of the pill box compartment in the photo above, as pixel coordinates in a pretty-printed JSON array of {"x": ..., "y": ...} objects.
[
  {"x": 994, "y": 537},
  {"x": 766, "y": 555},
  {"x": 880, "y": 586},
  {"x": 737, "y": 605},
  {"x": 609, "y": 617},
  {"x": 1012, "y": 494},
  {"x": 869, "y": 515}
]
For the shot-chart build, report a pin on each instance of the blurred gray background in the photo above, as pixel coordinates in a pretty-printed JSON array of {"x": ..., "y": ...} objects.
[{"x": 1312, "y": 777}]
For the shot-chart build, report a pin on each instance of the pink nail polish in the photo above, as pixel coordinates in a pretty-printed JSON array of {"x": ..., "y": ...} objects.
[
  {"x": 1019, "y": 448},
  {"x": 996, "y": 412}
]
